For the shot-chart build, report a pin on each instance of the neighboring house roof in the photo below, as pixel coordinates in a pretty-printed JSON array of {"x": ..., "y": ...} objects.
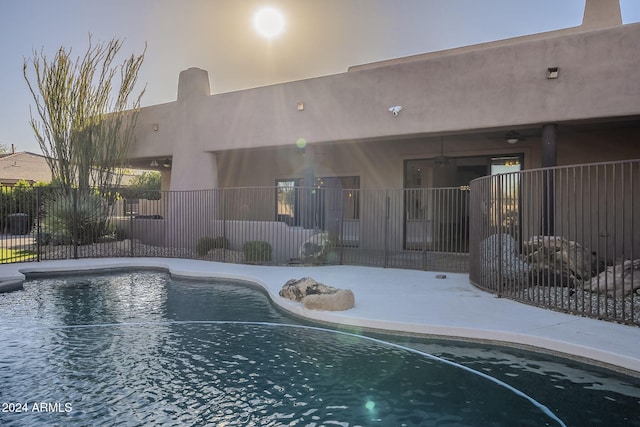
[
  {"x": 32, "y": 167},
  {"x": 23, "y": 165}
]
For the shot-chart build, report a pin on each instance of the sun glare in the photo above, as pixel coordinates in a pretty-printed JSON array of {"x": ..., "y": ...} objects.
[{"x": 268, "y": 22}]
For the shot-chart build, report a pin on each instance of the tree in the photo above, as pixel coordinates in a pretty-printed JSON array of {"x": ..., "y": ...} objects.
[
  {"x": 84, "y": 120},
  {"x": 84, "y": 124},
  {"x": 144, "y": 186}
]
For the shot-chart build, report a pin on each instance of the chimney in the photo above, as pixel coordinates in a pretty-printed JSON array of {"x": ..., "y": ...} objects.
[
  {"x": 13, "y": 149},
  {"x": 601, "y": 14}
]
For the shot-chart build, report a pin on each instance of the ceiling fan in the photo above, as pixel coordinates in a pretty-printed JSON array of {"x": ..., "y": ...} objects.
[
  {"x": 513, "y": 136},
  {"x": 441, "y": 160}
]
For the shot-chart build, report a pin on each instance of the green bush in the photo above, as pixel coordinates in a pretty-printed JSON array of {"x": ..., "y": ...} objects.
[
  {"x": 205, "y": 244},
  {"x": 21, "y": 198},
  {"x": 89, "y": 217},
  {"x": 257, "y": 251},
  {"x": 145, "y": 186},
  {"x": 113, "y": 234}
]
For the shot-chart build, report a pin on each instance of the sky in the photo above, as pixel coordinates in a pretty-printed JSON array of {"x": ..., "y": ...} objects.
[{"x": 320, "y": 37}]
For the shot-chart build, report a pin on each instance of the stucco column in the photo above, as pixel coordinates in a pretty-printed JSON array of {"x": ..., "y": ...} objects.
[
  {"x": 549, "y": 145},
  {"x": 192, "y": 213},
  {"x": 192, "y": 167},
  {"x": 601, "y": 14},
  {"x": 548, "y": 160},
  {"x": 309, "y": 170},
  {"x": 309, "y": 196}
]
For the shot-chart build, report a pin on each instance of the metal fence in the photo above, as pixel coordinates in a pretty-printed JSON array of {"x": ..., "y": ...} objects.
[
  {"x": 567, "y": 238},
  {"x": 412, "y": 228}
]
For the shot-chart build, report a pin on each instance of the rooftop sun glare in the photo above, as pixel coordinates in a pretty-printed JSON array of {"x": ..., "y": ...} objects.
[{"x": 268, "y": 22}]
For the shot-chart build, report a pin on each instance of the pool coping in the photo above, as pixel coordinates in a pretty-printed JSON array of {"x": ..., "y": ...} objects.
[{"x": 398, "y": 301}]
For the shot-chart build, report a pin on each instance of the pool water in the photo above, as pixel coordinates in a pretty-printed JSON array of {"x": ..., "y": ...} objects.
[{"x": 142, "y": 348}]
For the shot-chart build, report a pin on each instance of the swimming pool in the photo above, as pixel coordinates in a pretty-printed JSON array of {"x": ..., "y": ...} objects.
[{"x": 142, "y": 348}]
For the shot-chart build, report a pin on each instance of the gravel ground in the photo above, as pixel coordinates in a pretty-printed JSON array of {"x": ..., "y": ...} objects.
[
  {"x": 114, "y": 249},
  {"x": 625, "y": 309},
  {"x": 124, "y": 249}
]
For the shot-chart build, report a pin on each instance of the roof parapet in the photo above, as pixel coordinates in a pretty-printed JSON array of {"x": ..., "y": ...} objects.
[{"x": 598, "y": 14}]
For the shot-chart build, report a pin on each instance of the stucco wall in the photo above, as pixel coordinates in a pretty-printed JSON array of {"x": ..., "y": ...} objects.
[
  {"x": 156, "y": 143},
  {"x": 378, "y": 164},
  {"x": 492, "y": 87}
]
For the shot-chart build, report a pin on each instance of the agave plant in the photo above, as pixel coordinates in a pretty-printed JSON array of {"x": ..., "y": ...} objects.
[{"x": 77, "y": 216}]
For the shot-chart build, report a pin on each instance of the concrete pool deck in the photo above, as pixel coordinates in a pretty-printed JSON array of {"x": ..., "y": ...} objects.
[{"x": 407, "y": 301}]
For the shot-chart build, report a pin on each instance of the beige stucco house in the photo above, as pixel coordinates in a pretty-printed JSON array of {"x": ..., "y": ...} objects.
[
  {"x": 568, "y": 96},
  {"x": 564, "y": 97},
  {"x": 23, "y": 165}
]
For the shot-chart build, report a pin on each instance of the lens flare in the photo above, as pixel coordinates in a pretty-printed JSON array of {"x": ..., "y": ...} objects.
[
  {"x": 268, "y": 22},
  {"x": 301, "y": 143}
]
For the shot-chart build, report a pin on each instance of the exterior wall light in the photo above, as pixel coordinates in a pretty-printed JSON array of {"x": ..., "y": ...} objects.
[
  {"x": 512, "y": 137},
  {"x": 553, "y": 72},
  {"x": 167, "y": 163},
  {"x": 300, "y": 106},
  {"x": 154, "y": 163},
  {"x": 155, "y": 127}
]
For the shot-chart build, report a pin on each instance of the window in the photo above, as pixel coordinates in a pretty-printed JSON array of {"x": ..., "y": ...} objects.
[
  {"x": 329, "y": 195},
  {"x": 287, "y": 200},
  {"x": 506, "y": 194},
  {"x": 131, "y": 206}
]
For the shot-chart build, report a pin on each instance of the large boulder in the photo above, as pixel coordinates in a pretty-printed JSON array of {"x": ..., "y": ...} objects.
[
  {"x": 297, "y": 289},
  {"x": 557, "y": 261},
  {"x": 341, "y": 300},
  {"x": 315, "y": 249},
  {"x": 317, "y": 296},
  {"x": 618, "y": 280}
]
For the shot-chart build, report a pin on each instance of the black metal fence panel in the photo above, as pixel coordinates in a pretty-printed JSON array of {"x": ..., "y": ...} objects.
[
  {"x": 567, "y": 238},
  {"x": 414, "y": 228}
]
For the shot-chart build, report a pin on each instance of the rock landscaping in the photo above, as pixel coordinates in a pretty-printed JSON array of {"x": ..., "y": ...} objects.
[
  {"x": 559, "y": 273},
  {"x": 499, "y": 255},
  {"x": 560, "y": 262},
  {"x": 618, "y": 280},
  {"x": 317, "y": 296},
  {"x": 315, "y": 249}
]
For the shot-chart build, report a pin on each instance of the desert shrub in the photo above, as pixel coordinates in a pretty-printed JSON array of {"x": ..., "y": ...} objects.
[
  {"x": 89, "y": 218},
  {"x": 257, "y": 251},
  {"x": 113, "y": 234},
  {"x": 205, "y": 244},
  {"x": 121, "y": 234}
]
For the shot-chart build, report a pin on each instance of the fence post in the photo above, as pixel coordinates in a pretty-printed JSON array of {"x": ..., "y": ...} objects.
[
  {"x": 386, "y": 230},
  {"x": 500, "y": 233},
  {"x": 222, "y": 194},
  {"x": 74, "y": 198},
  {"x": 425, "y": 230},
  {"x": 38, "y": 237},
  {"x": 130, "y": 214},
  {"x": 341, "y": 238}
]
